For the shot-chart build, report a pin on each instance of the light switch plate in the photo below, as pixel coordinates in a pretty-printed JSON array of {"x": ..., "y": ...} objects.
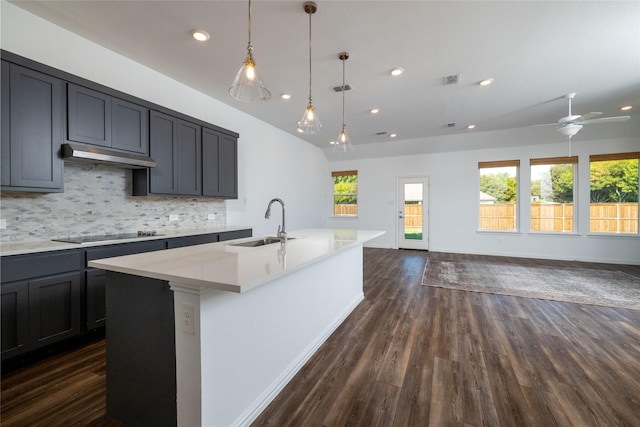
[{"x": 174, "y": 217}]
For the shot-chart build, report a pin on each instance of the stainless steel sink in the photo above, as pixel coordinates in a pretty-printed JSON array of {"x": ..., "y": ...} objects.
[{"x": 259, "y": 242}]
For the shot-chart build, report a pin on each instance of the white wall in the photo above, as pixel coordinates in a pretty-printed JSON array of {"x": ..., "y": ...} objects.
[
  {"x": 271, "y": 163},
  {"x": 453, "y": 202}
]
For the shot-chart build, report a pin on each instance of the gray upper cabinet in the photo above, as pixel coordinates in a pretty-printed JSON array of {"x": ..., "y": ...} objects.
[
  {"x": 219, "y": 154},
  {"x": 42, "y": 108},
  {"x": 129, "y": 126},
  {"x": 191, "y": 160},
  {"x": 99, "y": 119},
  {"x": 32, "y": 122},
  {"x": 88, "y": 116},
  {"x": 163, "y": 148}
]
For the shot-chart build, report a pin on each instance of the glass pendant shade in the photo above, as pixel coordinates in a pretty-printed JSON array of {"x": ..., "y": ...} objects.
[
  {"x": 247, "y": 86},
  {"x": 310, "y": 122},
  {"x": 343, "y": 143}
]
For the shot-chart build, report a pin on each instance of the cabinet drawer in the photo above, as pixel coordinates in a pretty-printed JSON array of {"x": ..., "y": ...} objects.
[
  {"x": 238, "y": 234},
  {"x": 21, "y": 267},
  {"x": 124, "y": 249},
  {"x": 200, "y": 239}
]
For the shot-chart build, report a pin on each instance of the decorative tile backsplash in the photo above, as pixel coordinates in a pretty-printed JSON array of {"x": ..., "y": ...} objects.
[{"x": 97, "y": 200}]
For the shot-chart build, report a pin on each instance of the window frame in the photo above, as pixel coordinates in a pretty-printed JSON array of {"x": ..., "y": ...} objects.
[
  {"x": 573, "y": 160},
  {"x": 613, "y": 157},
  {"x": 516, "y": 207},
  {"x": 334, "y": 175}
]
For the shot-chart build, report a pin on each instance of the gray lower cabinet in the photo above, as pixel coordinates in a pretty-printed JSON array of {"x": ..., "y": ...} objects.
[
  {"x": 32, "y": 130},
  {"x": 15, "y": 318},
  {"x": 41, "y": 300},
  {"x": 51, "y": 296},
  {"x": 54, "y": 309},
  {"x": 95, "y": 278}
]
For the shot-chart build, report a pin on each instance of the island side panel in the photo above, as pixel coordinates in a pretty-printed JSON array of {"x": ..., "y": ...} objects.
[
  {"x": 140, "y": 335},
  {"x": 253, "y": 343}
]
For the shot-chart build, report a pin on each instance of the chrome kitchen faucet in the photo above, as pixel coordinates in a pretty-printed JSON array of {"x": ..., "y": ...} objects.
[{"x": 282, "y": 232}]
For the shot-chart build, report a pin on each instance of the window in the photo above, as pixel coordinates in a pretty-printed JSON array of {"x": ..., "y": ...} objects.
[
  {"x": 345, "y": 193},
  {"x": 499, "y": 195},
  {"x": 613, "y": 185},
  {"x": 552, "y": 194}
]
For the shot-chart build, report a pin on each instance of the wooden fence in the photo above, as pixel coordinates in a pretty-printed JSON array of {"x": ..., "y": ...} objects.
[
  {"x": 558, "y": 217},
  {"x": 555, "y": 217}
]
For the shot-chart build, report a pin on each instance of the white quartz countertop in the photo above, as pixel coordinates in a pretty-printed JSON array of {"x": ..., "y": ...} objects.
[
  {"x": 21, "y": 248},
  {"x": 223, "y": 266}
]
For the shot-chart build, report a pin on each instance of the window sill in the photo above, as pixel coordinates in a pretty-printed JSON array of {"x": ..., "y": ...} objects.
[
  {"x": 554, "y": 233},
  {"x": 614, "y": 235},
  {"x": 498, "y": 232}
]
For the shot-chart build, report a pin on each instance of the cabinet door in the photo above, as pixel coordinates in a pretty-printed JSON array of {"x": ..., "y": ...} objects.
[
  {"x": 129, "y": 126},
  {"x": 5, "y": 141},
  {"x": 228, "y": 167},
  {"x": 35, "y": 131},
  {"x": 163, "y": 148},
  {"x": 220, "y": 165},
  {"x": 189, "y": 159},
  {"x": 54, "y": 309},
  {"x": 15, "y": 317},
  {"x": 96, "y": 280},
  {"x": 88, "y": 116}
]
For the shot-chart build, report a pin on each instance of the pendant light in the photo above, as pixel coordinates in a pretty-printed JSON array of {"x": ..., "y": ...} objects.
[
  {"x": 247, "y": 86},
  {"x": 310, "y": 123},
  {"x": 343, "y": 143}
]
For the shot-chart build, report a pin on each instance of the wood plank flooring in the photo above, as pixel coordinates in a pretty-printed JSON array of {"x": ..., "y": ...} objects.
[{"x": 410, "y": 355}]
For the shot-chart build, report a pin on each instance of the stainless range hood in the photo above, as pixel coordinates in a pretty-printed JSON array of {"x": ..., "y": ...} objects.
[{"x": 90, "y": 154}]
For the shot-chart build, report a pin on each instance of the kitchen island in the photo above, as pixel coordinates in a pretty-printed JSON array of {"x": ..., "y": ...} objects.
[{"x": 209, "y": 334}]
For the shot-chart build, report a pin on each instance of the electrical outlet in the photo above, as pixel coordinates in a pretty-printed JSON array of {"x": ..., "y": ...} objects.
[
  {"x": 174, "y": 217},
  {"x": 211, "y": 216},
  {"x": 188, "y": 321}
]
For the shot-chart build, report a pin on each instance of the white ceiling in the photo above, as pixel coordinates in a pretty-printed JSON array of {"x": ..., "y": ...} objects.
[{"x": 536, "y": 52}]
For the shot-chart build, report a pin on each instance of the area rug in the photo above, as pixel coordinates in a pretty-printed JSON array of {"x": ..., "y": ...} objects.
[{"x": 560, "y": 283}]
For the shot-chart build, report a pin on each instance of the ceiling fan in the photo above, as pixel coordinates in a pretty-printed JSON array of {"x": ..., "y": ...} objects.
[{"x": 571, "y": 124}]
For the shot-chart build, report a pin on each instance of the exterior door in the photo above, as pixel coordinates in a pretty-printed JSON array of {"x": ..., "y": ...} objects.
[{"x": 412, "y": 229}]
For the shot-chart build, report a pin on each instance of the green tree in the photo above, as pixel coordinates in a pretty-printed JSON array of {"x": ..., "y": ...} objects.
[
  {"x": 614, "y": 181},
  {"x": 501, "y": 186},
  {"x": 347, "y": 185},
  {"x": 562, "y": 183}
]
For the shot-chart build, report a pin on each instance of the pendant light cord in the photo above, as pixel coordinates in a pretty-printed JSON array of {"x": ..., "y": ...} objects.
[
  {"x": 249, "y": 47},
  {"x": 310, "y": 57},
  {"x": 343, "y": 91}
]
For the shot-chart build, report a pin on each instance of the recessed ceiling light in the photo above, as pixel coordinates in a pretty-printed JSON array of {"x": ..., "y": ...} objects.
[
  {"x": 626, "y": 108},
  {"x": 397, "y": 71},
  {"x": 285, "y": 96},
  {"x": 200, "y": 35},
  {"x": 485, "y": 82},
  {"x": 393, "y": 135},
  {"x": 374, "y": 110},
  {"x": 332, "y": 142},
  {"x": 471, "y": 126}
]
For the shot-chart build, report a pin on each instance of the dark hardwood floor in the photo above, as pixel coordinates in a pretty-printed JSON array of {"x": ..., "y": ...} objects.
[{"x": 410, "y": 355}]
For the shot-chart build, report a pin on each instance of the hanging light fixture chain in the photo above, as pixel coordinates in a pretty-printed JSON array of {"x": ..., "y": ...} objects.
[{"x": 249, "y": 47}]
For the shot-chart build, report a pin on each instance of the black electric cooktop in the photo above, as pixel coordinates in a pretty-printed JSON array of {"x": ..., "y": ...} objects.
[{"x": 105, "y": 237}]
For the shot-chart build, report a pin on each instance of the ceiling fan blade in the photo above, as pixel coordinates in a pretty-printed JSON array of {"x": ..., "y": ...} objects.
[
  {"x": 544, "y": 124},
  {"x": 606, "y": 120},
  {"x": 589, "y": 116}
]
